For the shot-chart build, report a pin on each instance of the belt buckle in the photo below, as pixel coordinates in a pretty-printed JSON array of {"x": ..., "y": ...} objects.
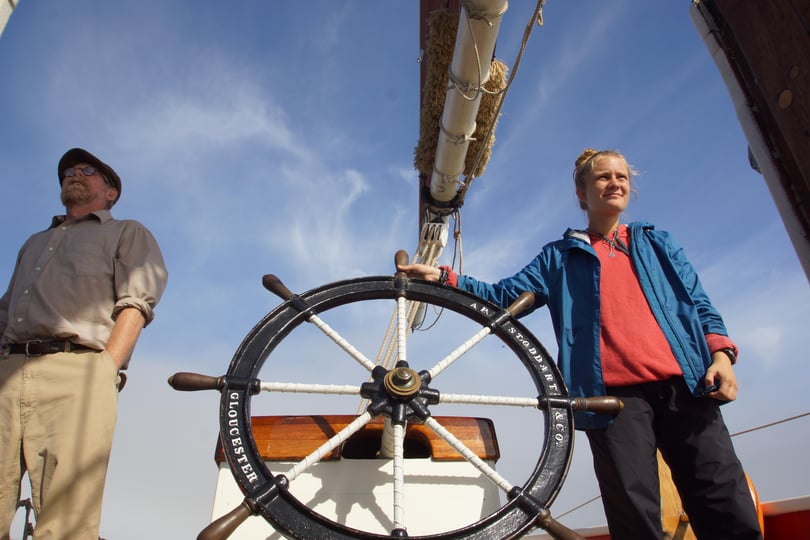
[{"x": 28, "y": 343}]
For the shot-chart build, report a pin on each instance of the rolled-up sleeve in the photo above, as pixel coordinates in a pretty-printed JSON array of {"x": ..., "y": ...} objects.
[
  {"x": 5, "y": 301},
  {"x": 140, "y": 273}
]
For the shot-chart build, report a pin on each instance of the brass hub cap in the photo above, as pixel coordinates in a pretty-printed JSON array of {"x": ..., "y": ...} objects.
[{"x": 402, "y": 382}]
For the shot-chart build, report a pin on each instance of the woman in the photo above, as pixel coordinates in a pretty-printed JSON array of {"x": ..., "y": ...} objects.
[{"x": 633, "y": 321}]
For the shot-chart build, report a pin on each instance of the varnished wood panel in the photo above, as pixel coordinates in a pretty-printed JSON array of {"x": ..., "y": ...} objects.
[{"x": 289, "y": 438}]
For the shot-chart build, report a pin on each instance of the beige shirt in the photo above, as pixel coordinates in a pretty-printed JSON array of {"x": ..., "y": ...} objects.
[{"x": 72, "y": 280}]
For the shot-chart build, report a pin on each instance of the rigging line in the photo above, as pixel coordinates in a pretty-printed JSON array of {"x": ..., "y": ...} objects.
[
  {"x": 457, "y": 242},
  {"x": 437, "y": 311},
  {"x": 481, "y": 14},
  {"x": 456, "y": 216},
  {"x": 431, "y": 258},
  {"x": 461, "y": 89},
  {"x": 536, "y": 16},
  {"x": 574, "y": 509},
  {"x": 771, "y": 424},
  {"x": 387, "y": 354}
]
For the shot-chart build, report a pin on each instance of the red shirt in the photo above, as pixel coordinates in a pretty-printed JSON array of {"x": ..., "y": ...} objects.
[{"x": 632, "y": 345}]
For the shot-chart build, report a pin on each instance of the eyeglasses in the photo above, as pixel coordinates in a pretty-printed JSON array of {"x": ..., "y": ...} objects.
[{"x": 86, "y": 171}]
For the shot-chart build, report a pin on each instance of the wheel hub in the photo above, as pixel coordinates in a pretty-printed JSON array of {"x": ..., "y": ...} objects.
[{"x": 402, "y": 382}]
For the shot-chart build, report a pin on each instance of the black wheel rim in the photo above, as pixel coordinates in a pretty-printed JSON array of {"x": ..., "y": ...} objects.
[{"x": 268, "y": 494}]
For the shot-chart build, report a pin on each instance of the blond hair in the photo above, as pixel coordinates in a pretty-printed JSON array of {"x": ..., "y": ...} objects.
[{"x": 584, "y": 164}]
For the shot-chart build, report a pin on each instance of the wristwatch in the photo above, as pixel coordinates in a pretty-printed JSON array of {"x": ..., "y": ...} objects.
[{"x": 730, "y": 353}]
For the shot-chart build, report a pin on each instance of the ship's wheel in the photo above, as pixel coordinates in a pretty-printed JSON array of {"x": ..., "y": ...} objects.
[{"x": 403, "y": 394}]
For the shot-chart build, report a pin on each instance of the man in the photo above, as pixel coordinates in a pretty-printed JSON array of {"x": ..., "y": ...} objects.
[{"x": 79, "y": 296}]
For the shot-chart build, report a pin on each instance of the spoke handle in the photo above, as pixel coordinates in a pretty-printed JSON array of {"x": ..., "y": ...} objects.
[
  {"x": 191, "y": 382},
  {"x": 401, "y": 258},
  {"x": 598, "y": 404},
  {"x": 273, "y": 284},
  {"x": 555, "y": 529},
  {"x": 224, "y": 526},
  {"x": 523, "y": 302}
]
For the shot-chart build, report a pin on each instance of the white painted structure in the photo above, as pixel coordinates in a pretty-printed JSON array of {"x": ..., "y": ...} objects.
[
  {"x": 440, "y": 495},
  {"x": 469, "y": 70},
  {"x": 7, "y": 7}
]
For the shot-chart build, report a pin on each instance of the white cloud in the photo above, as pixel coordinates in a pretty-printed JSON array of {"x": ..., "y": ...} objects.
[{"x": 250, "y": 149}]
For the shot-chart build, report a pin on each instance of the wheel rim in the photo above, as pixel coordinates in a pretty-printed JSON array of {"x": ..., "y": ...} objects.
[{"x": 267, "y": 493}]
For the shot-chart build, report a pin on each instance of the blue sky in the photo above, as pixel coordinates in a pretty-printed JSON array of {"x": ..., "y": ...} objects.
[{"x": 277, "y": 137}]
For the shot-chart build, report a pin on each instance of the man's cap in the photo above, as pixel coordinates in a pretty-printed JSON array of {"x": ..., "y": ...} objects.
[{"x": 79, "y": 155}]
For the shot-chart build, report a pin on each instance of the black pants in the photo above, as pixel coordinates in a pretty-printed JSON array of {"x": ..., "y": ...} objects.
[{"x": 696, "y": 445}]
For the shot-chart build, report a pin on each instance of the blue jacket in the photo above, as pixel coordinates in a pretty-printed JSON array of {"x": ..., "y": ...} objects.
[{"x": 565, "y": 276}]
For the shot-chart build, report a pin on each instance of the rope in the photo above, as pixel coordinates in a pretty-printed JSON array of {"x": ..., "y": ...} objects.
[
  {"x": 455, "y": 214},
  {"x": 457, "y": 243},
  {"x": 399, "y": 476},
  {"x": 455, "y": 139},
  {"x": 574, "y": 509},
  {"x": 463, "y": 88},
  {"x": 427, "y": 253},
  {"x": 771, "y": 424},
  {"x": 402, "y": 326},
  {"x": 763, "y": 426},
  {"x": 477, "y": 399},
  {"x": 386, "y": 351},
  {"x": 480, "y": 14},
  {"x": 302, "y": 388},
  {"x": 536, "y": 16}
]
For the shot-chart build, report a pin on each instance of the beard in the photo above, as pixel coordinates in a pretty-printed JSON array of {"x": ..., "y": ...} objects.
[{"x": 76, "y": 193}]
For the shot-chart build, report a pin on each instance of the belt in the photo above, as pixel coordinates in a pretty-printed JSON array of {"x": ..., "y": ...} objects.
[{"x": 38, "y": 347}]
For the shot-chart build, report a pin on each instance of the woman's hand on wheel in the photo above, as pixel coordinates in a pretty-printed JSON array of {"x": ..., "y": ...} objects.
[{"x": 420, "y": 271}]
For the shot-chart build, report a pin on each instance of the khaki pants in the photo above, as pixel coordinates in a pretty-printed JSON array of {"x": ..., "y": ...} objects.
[{"x": 57, "y": 417}]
